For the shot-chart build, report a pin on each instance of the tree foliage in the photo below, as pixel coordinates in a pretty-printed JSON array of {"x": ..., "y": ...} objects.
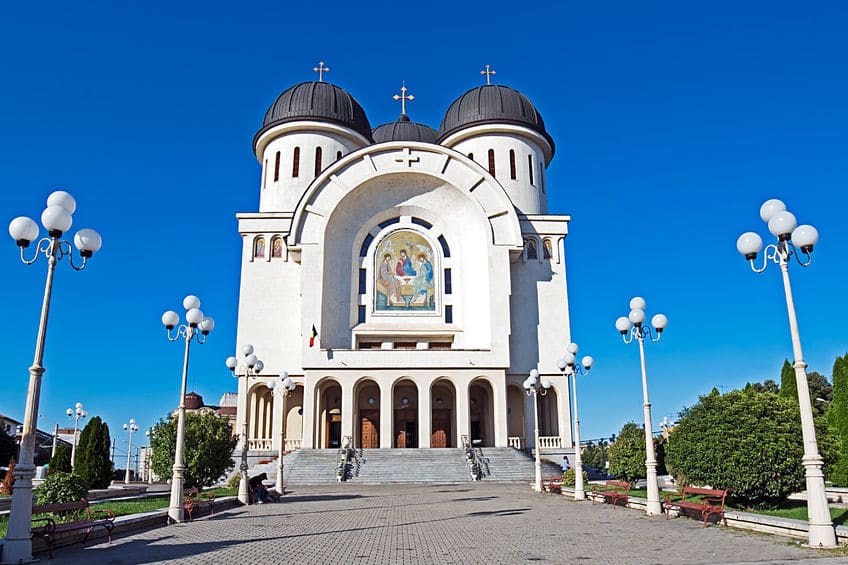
[
  {"x": 92, "y": 463},
  {"x": 570, "y": 477},
  {"x": 8, "y": 479},
  {"x": 788, "y": 386},
  {"x": 627, "y": 454},
  {"x": 209, "y": 443},
  {"x": 8, "y": 447},
  {"x": 61, "y": 487},
  {"x": 767, "y": 385},
  {"x": 837, "y": 416},
  {"x": 745, "y": 441},
  {"x": 61, "y": 460},
  {"x": 596, "y": 455}
]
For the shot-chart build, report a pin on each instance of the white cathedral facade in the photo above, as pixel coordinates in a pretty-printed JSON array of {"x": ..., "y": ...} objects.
[{"x": 428, "y": 264}]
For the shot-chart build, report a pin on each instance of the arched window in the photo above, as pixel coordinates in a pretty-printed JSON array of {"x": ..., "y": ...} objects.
[
  {"x": 530, "y": 167},
  {"x": 547, "y": 249},
  {"x": 492, "y": 162},
  {"x": 259, "y": 248},
  {"x": 512, "y": 164},
  {"x": 296, "y": 163},
  {"x": 338, "y": 155},
  {"x": 530, "y": 248},
  {"x": 471, "y": 156},
  {"x": 318, "y": 154},
  {"x": 277, "y": 167},
  {"x": 276, "y": 247}
]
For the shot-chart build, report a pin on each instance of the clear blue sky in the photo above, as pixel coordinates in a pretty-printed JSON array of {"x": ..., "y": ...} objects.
[{"x": 673, "y": 122}]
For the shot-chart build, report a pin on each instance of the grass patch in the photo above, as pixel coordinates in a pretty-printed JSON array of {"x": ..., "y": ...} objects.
[{"x": 797, "y": 510}]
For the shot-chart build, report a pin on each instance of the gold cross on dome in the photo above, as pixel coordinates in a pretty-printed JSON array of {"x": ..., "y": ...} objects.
[
  {"x": 488, "y": 71},
  {"x": 321, "y": 69},
  {"x": 403, "y": 98}
]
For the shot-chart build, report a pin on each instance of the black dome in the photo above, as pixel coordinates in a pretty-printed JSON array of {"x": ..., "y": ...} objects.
[
  {"x": 404, "y": 130},
  {"x": 492, "y": 104},
  {"x": 319, "y": 101}
]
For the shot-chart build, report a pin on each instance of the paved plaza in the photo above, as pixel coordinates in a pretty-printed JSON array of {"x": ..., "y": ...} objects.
[{"x": 472, "y": 523}]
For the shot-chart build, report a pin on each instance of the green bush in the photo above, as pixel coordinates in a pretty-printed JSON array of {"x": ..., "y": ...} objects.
[
  {"x": 92, "y": 458},
  {"x": 569, "y": 477},
  {"x": 209, "y": 443},
  {"x": 745, "y": 441},
  {"x": 61, "y": 461},
  {"x": 627, "y": 454},
  {"x": 234, "y": 481},
  {"x": 61, "y": 487},
  {"x": 837, "y": 415}
]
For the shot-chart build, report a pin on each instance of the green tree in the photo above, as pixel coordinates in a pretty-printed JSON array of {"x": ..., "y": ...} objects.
[
  {"x": 8, "y": 448},
  {"x": 837, "y": 416},
  {"x": 627, "y": 454},
  {"x": 767, "y": 385},
  {"x": 61, "y": 487},
  {"x": 744, "y": 441},
  {"x": 209, "y": 443},
  {"x": 92, "y": 463},
  {"x": 61, "y": 460},
  {"x": 788, "y": 385}
]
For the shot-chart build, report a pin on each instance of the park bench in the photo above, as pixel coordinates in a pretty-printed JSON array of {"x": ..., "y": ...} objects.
[
  {"x": 614, "y": 490},
  {"x": 193, "y": 501},
  {"x": 711, "y": 502},
  {"x": 51, "y": 526},
  {"x": 553, "y": 484}
]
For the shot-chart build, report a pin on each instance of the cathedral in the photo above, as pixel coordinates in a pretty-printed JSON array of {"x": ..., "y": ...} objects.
[{"x": 406, "y": 279}]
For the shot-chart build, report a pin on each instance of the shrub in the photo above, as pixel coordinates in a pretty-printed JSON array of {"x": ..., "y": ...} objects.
[
  {"x": 627, "y": 454},
  {"x": 837, "y": 415},
  {"x": 61, "y": 461},
  {"x": 61, "y": 487},
  {"x": 234, "y": 481},
  {"x": 568, "y": 478},
  {"x": 92, "y": 458},
  {"x": 9, "y": 479},
  {"x": 209, "y": 443},
  {"x": 745, "y": 441}
]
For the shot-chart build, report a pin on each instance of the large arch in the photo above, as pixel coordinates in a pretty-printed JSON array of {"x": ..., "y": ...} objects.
[
  {"x": 405, "y": 424},
  {"x": 328, "y": 414},
  {"x": 481, "y": 412},
  {"x": 366, "y": 408},
  {"x": 260, "y": 417},
  {"x": 293, "y": 419},
  {"x": 443, "y": 411},
  {"x": 515, "y": 418}
]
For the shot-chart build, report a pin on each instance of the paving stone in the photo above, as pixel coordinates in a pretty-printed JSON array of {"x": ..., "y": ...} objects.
[{"x": 470, "y": 523}]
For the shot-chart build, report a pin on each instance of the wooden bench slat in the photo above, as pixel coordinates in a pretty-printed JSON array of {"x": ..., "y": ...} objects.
[
  {"x": 711, "y": 503},
  {"x": 615, "y": 490},
  {"x": 48, "y": 531}
]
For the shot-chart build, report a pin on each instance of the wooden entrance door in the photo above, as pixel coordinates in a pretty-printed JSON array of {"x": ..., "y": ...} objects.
[
  {"x": 369, "y": 429},
  {"x": 405, "y": 428},
  {"x": 441, "y": 434}
]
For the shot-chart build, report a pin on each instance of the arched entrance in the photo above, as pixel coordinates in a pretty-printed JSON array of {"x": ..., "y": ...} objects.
[
  {"x": 293, "y": 419},
  {"x": 405, "y": 404},
  {"x": 367, "y": 407},
  {"x": 481, "y": 413},
  {"x": 443, "y": 414},
  {"x": 261, "y": 418},
  {"x": 548, "y": 414},
  {"x": 515, "y": 398},
  {"x": 329, "y": 414}
]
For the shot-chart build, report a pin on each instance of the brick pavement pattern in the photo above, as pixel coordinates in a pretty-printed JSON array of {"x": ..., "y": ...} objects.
[{"x": 474, "y": 523}]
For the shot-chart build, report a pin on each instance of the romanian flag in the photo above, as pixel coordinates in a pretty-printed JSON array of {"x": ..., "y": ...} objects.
[{"x": 312, "y": 336}]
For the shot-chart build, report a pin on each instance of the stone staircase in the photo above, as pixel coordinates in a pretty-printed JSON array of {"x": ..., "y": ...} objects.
[
  {"x": 505, "y": 464},
  {"x": 380, "y": 466}
]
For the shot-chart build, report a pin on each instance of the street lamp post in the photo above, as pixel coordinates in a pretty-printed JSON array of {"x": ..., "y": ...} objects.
[
  {"x": 149, "y": 456},
  {"x": 790, "y": 241},
  {"x": 571, "y": 368},
  {"x": 57, "y": 219},
  {"x": 131, "y": 428},
  {"x": 633, "y": 327},
  {"x": 535, "y": 387},
  {"x": 76, "y": 413},
  {"x": 288, "y": 387},
  {"x": 197, "y": 327},
  {"x": 250, "y": 366}
]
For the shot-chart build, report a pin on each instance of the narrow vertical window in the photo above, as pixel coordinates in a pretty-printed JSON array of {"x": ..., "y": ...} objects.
[
  {"x": 530, "y": 167},
  {"x": 444, "y": 243},
  {"x": 318, "y": 167},
  {"x": 338, "y": 155},
  {"x": 276, "y": 247},
  {"x": 265, "y": 173},
  {"x": 296, "y": 163},
  {"x": 361, "y": 315},
  {"x": 277, "y": 167},
  {"x": 471, "y": 156},
  {"x": 512, "y": 164},
  {"x": 448, "y": 314},
  {"x": 362, "y": 277},
  {"x": 530, "y": 247},
  {"x": 492, "y": 162},
  {"x": 363, "y": 251},
  {"x": 259, "y": 247},
  {"x": 448, "y": 282},
  {"x": 547, "y": 249}
]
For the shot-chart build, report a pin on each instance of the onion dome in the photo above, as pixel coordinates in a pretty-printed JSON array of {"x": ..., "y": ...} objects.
[
  {"x": 404, "y": 130},
  {"x": 492, "y": 104},
  {"x": 319, "y": 101}
]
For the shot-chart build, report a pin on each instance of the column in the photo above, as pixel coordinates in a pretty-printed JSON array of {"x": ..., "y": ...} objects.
[
  {"x": 499, "y": 405},
  {"x": 347, "y": 409},
  {"x": 309, "y": 400},
  {"x": 425, "y": 431},
  {"x": 387, "y": 415},
  {"x": 463, "y": 418}
]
